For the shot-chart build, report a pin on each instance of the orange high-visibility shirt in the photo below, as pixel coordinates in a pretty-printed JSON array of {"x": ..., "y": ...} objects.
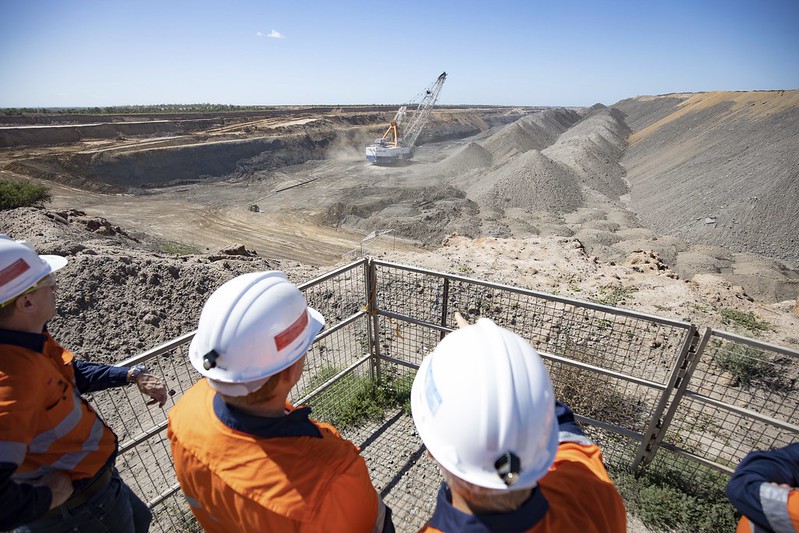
[
  {"x": 268, "y": 474},
  {"x": 575, "y": 495},
  {"x": 44, "y": 422}
]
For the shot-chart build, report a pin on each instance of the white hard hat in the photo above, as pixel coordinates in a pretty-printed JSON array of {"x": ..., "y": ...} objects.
[
  {"x": 21, "y": 267},
  {"x": 483, "y": 404},
  {"x": 251, "y": 328}
]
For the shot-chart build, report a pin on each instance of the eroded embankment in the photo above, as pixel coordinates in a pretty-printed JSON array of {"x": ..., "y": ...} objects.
[
  {"x": 226, "y": 151},
  {"x": 719, "y": 169}
]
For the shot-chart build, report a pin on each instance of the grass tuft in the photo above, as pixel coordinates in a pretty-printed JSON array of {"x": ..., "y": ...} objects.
[
  {"x": 354, "y": 399},
  {"x": 176, "y": 248},
  {"x": 614, "y": 296},
  {"x": 745, "y": 320}
]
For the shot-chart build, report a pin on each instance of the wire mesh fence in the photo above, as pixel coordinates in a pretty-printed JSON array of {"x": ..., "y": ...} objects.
[
  {"x": 144, "y": 460},
  {"x": 741, "y": 396},
  {"x": 645, "y": 388}
]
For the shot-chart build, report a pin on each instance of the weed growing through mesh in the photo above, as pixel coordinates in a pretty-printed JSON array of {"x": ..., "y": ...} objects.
[
  {"x": 355, "y": 399},
  {"x": 665, "y": 497},
  {"x": 749, "y": 366}
]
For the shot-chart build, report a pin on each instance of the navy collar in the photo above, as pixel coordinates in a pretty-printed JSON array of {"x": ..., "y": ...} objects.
[
  {"x": 448, "y": 519},
  {"x": 31, "y": 341},
  {"x": 294, "y": 424}
]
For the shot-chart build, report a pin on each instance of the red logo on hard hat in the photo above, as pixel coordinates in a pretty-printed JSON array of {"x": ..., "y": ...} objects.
[
  {"x": 12, "y": 272},
  {"x": 290, "y": 334}
]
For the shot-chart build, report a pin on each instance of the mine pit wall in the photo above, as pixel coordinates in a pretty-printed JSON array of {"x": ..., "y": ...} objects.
[
  {"x": 50, "y": 135},
  {"x": 164, "y": 166},
  {"x": 54, "y": 119},
  {"x": 120, "y": 172}
]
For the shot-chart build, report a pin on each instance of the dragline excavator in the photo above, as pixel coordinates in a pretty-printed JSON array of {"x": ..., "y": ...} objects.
[{"x": 400, "y": 138}]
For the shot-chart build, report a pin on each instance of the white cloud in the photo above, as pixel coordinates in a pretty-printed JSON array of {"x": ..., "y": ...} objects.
[
  {"x": 259, "y": 34},
  {"x": 274, "y": 34}
]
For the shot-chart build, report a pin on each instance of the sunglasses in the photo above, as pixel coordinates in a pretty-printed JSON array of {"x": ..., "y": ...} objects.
[{"x": 47, "y": 281}]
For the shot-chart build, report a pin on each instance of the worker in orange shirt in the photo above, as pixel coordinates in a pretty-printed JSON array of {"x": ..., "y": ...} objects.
[
  {"x": 56, "y": 454},
  {"x": 764, "y": 490},
  {"x": 246, "y": 459},
  {"x": 513, "y": 459}
]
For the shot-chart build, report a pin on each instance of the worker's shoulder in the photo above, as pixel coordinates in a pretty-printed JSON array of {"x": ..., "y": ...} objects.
[
  {"x": 300, "y": 440},
  {"x": 578, "y": 468},
  {"x": 582, "y": 498},
  {"x": 330, "y": 448},
  {"x": 22, "y": 361}
]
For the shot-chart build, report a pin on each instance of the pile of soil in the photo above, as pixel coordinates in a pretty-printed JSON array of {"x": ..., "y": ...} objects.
[
  {"x": 534, "y": 132},
  {"x": 531, "y": 181},
  {"x": 473, "y": 156},
  {"x": 117, "y": 295}
]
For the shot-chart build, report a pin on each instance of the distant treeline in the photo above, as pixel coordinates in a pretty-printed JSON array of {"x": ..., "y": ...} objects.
[{"x": 131, "y": 109}]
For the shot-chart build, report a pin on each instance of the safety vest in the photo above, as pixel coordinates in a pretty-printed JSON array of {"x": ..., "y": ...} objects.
[
  {"x": 245, "y": 473},
  {"x": 45, "y": 424},
  {"x": 575, "y": 495}
]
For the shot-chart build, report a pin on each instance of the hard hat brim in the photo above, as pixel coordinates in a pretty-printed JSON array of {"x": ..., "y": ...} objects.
[{"x": 56, "y": 262}]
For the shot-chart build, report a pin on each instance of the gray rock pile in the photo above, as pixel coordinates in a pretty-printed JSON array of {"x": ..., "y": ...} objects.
[{"x": 530, "y": 181}]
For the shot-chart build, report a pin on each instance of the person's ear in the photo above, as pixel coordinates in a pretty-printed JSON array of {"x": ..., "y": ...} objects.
[{"x": 23, "y": 303}]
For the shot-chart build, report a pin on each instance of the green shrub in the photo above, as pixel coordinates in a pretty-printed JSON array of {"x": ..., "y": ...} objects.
[
  {"x": 748, "y": 366},
  {"x": 614, "y": 296},
  {"x": 177, "y": 248},
  {"x": 746, "y": 320},
  {"x": 15, "y": 194},
  {"x": 354, "y": 399},
  {"x": 666, "y": 498},
  {"x": 745, "y": 363}
]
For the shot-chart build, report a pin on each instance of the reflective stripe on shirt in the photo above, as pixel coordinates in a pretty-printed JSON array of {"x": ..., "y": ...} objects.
[
  {"x": 774, "y": 500},
  {"x": 68, "y": 461},
  {"x": 42, "y": 442}
]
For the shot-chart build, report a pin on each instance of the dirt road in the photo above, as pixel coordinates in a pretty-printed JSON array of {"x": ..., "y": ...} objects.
[{"x": 211, "y": 216}]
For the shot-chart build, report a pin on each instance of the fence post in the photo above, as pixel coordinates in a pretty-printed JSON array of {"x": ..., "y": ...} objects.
[
  {"x": 686, "y": 364},
  {"x": 444, "y": 307},
  {"x": 373, "y": 326}
]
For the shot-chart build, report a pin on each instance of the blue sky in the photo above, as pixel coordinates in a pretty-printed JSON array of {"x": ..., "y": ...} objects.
[{"x": 527, "y": 52}]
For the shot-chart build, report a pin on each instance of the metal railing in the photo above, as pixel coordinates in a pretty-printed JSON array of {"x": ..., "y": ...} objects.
[{"x": 647, "y": 389}]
